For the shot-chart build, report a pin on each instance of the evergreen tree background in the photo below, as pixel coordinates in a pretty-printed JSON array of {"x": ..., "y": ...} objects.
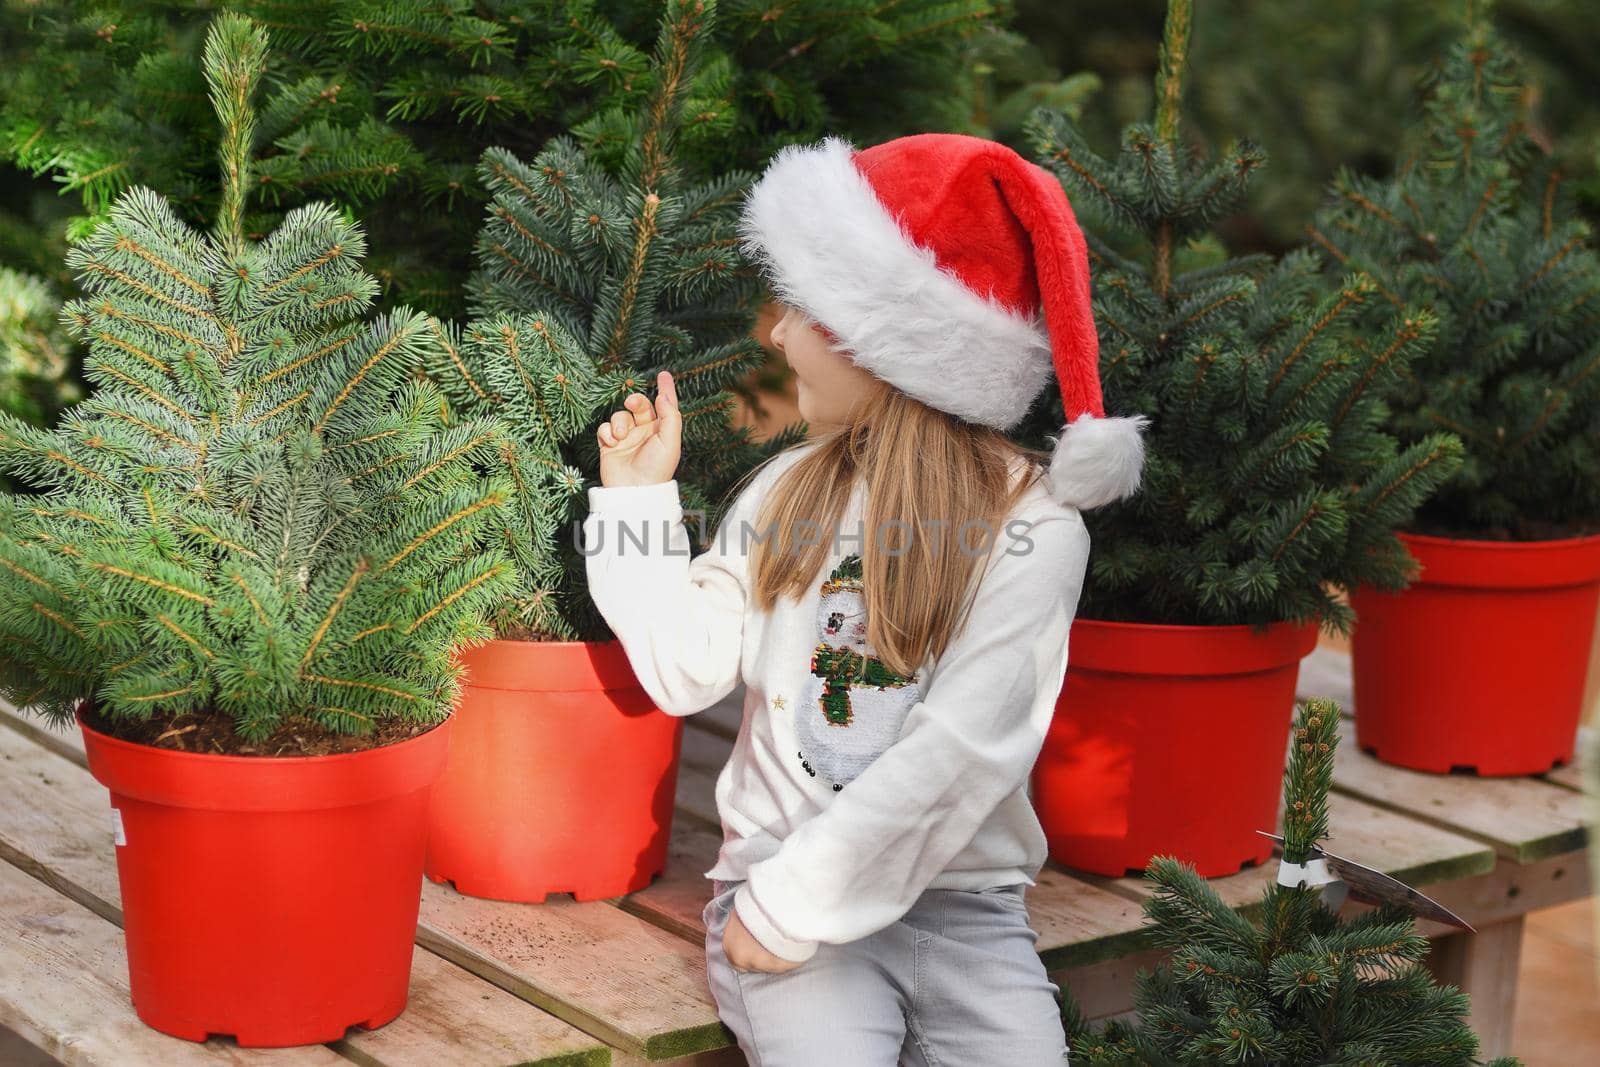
[
  {"x": 385, "y": 106},
  {"x": 588, "y": 284},
  {"x": 1267, "y": 471},
  {"x": 1319, "y": 83},
  {"x": 34, "y": 355},
  {"x": 258, "y": 514},
  {"x": 382, "y": 103},
  {"x": 1294, "y": 986},
  {"x": 1476, "y": 223}
]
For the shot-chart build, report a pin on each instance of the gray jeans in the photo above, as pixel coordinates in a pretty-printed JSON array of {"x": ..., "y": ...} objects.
[{"x": 956, "y": 982}]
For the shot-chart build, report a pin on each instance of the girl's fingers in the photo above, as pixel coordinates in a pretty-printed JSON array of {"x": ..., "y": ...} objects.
[
  {"x": 668, "y": 403},
  {"x": 637, "y": 411},
  {"x": 640, "y": 405}
]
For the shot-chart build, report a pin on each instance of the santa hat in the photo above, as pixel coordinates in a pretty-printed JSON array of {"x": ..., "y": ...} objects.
[{"x": 933, "y": 259}]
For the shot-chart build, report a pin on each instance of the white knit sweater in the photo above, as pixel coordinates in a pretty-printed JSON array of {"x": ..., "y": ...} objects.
[{"x": 842, "y": 803}]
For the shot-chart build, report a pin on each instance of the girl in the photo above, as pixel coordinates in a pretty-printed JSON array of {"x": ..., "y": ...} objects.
[{"x": 896, "y": 594}]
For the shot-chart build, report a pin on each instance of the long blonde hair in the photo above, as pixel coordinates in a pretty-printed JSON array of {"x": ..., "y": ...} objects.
[{"x": 919, "y": 464}]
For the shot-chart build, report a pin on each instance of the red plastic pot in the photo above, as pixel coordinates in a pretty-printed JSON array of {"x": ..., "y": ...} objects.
[
  {"x": 271, "y": 898},
  {"x": 561, "y": 775},
  {"x": 1480, "y": 663},
  {"x": 1169, "y": 740}
]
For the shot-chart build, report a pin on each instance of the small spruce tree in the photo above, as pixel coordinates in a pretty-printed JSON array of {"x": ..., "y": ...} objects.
[
  {"x": 587, "y": 285},
  {"x": 1477, "y": 224},
  {"x": 1300, "y": 988},
  {"x": 1268, "y": 475},
  {"x": 258, "y": 515}
]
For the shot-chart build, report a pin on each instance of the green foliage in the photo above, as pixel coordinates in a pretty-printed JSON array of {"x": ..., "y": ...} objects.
[
  {"x": 385, "y": 106},
  {"x": 1320, "y": 83},
  {"x": 1268, "y": 475},
  {"x": 1298, "y": 987},
  {"x": 587, "y": 285},
  {"x": 259, "y": 511},
  {"x": 33, "y": 351},
  {"x": 1476, "y": 225}
]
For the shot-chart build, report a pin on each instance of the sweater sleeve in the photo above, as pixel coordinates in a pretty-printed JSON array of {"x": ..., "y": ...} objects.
[
  {"x": 862, "y": 862},
  {"x": 680, "y": 620}
]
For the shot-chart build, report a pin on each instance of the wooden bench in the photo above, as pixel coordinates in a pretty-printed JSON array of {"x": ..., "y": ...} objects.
[{"x": 623, "y": 981}]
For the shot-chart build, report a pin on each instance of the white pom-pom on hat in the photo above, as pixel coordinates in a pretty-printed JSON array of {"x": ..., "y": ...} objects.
[{"x": 1097, "y": 461}]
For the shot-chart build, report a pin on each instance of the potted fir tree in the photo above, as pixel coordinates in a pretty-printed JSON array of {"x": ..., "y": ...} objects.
[
  {"x": 1265, "y": 480},
  {"x": 563, "y": 769},
  {"x": 1301, "y": 987},
  {"x": 1481, "y": 663},
  {"x": 252, "y": 551}
]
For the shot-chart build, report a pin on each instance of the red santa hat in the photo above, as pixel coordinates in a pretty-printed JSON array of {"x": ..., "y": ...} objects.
[{"x": 933, "y": 258}]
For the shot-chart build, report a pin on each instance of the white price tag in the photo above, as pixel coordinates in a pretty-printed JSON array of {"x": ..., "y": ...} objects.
[
  {"x": 116, "y": 827},
  {"x": 1312, "y": 873}
]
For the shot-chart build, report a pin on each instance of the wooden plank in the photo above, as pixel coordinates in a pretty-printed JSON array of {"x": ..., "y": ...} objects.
[
  {"x": 731, "y": 1056},
  {"x": 1513, "y": 889},
  {"x": 1326, "y": 673},
  {"x": 700, "y": 761},
  {"x": 1105, "y": 989},
  {"x": 1399, "y": 845},
  {"x": 1524, "y": 819},
  {"x": 609, "y": 973},
  {"x": 704, "y": 749},
  {"x": 1484, "y": 965},
  {"x": 1080, "y": 920},
  {"x": 1570, "y": 775},
  {"x": 676, "y": 899},
  {"x": 54, "y": 826},
  {"x": 696, "y": 796},
  {"x": 74, "y": 1001},
  {"x": 724, "y": 717},
  {"x": 15, "y": 1052},
  {"x": 453, "y": 1016},
  {"x": 68, "y": 743}
]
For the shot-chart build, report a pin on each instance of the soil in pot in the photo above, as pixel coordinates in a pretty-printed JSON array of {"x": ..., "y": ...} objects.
[
  {"x": 213, "y": 732},
  {"x": 1523, "y": 529}
]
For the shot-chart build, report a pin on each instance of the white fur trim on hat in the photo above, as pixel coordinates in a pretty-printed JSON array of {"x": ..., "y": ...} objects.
[
  {"x": 833, "y": 250},
  {"x": 1097, "y": 461}
]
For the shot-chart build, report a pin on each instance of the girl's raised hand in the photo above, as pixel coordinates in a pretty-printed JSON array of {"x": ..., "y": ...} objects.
[{"x": 641, "y": 444}]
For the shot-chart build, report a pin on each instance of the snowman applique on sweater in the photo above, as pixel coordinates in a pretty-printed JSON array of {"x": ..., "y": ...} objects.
[{"x": 853, "y": 705}]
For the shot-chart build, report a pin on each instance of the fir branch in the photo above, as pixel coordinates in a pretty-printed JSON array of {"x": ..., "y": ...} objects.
[
  {"x": 235, "y": 57},
  {"x": 498, "y": 571}
]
